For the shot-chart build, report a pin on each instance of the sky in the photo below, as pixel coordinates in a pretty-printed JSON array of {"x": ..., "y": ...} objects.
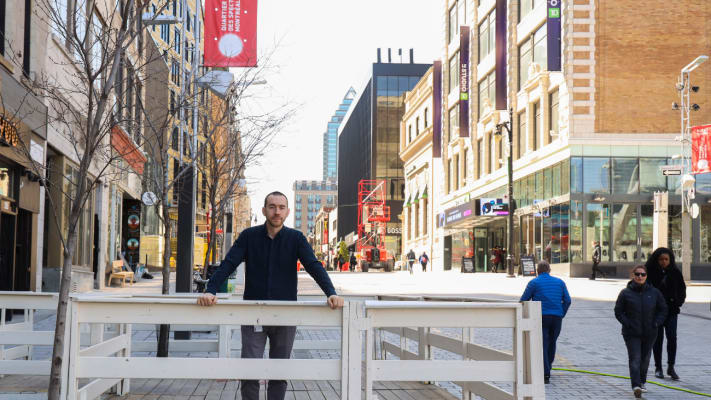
[{"x": 324, "y": 48}]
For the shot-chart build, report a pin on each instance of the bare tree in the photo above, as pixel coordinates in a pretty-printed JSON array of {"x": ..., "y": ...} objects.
[
  {"x": 235, "y": 138},
  {"x": 78, "y": 88}
]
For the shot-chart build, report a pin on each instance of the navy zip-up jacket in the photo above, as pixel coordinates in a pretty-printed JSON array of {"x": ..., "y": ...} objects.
[{"x": 271, "y": 264}]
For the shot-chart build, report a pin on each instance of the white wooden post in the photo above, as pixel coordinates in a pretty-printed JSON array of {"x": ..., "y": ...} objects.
[
  {"x": 369, "y": 340},
  {"x": 127, "y": 330},
  {"x": 72, "y": 341},
  {"x": 533, "y": 349},
  {"x": 355, "y": 343},
  {"x": 224, "y": 341},
  {"x": 466, "y": 394},
  {"x": 345, "y": 329}
]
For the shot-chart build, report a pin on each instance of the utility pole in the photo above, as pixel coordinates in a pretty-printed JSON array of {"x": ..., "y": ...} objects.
[
  {"x": 687, "y": 180},
  {"x": 508, "y": 125}
]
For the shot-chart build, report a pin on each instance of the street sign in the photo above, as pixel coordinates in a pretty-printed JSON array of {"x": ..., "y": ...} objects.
[{"x": 670, "y": 170}]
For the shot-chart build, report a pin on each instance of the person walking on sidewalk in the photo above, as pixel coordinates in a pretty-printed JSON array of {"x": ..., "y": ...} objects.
[
  {"x": 423, "y": 261},
  {"x": 596, "y": 258},
  {"x": 270, "y": 252},
  {"x": 667, "y": 278},
  {"x": 555, "y": 302},
  {"x": 641, "y": 310},
  {"x": 410, "y": 260}
]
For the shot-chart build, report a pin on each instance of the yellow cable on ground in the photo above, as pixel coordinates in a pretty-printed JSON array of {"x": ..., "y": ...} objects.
[{"x": 582, "y": 371}]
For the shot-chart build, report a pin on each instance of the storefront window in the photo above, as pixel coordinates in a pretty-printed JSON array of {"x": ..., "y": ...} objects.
[
  {"x": 674, "y": 181},
  {"x": 625, "y": 176},
  {"x": 650, "y": 177},
  {"x": 576, "y": 231},
  {"x": 576, "y": 175},
  {"x": 539, "y": 186},
  {"x": 565, "y": 177},
  {"x": 597, "y": 227},
  {"x": 563, "y": 232},
  {"x": 703, "y": 183},
  {"x": 624, "y": 222},
  {"x": 597, "y": 175},
  {"x": 6, "y": 181},
  {"x": 548, "y": 183},
  {"x": 555, "y": 183},
  {"x": 548, "y": 250},
  {"x": 646, "y": 222},
  {"x": 705, "y": 249},
  {"x": 675, "y": 231},
  {"x": 462, "y": 246}
]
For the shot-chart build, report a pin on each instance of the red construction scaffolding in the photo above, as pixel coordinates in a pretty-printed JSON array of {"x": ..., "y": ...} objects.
[{"x": 373, "y": 215}]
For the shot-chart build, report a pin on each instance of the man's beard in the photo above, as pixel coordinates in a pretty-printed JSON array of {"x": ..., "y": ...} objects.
[{"x": 281, "y": 223}]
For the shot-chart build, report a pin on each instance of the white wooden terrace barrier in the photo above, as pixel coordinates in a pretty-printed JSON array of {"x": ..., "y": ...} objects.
[
  {"x": 107, "y": 360},
  {"x": 399, "y": 314}
]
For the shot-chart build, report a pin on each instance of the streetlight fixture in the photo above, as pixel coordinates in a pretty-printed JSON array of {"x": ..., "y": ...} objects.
[
  {"x": 508, "y": 125},
  {"x": 687, "y": 181}
]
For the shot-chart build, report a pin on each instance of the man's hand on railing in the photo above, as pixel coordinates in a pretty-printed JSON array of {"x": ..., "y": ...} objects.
[
  {"x": 335, "y": 302},
  {"x": 207, "y": 299}
]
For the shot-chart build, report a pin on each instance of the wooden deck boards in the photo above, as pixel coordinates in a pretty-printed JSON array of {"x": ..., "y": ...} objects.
[{"x": 145, "y": 389}]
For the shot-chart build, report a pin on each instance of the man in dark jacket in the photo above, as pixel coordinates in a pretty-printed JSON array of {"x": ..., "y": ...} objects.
[
  {"x": 270, "y": 252},
  {"x": 411, "y": 257},
  {"x": 596, "y": 258},
  {"x": 641, "y": 309},
  {"x": 665, "y": 276}
]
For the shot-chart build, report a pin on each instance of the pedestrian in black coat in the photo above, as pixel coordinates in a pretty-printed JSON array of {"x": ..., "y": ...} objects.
[
  {"x": 666, "y": 276},
  {"x": 641, "y": 310}
]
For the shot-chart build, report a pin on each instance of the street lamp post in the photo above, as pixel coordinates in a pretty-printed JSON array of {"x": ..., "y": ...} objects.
[
  {"x": 687, "y": 180},
  {"x": 508, "y": 125}
]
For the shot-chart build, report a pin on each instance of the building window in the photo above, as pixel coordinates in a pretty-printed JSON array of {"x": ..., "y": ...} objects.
[
  {"x": 487, "y": 91},
  {"x": 554, "y": 113},
  {"x": 409, "y": 133},
  {"x": 480, "y": 159},
  {"x": 175, "y": 72},
  {"x": 521, "y": 133},
  {"x": 424, "y": 216},
  {"x": 465, "y": 166},
  {"x": 449, "y": 175},
  {"x": 453, "y": 72},
  {"x": 487, "y": 35},
  {"x": 426, "y": 112},
  {"x": 456, "y": 172},
  {"x": 452, "y": 23},
  {"x": 533, "y": 49},
  {"x": 536, "y": 124},
  {"x": 526, "y": 7},
  {"x": 165, "y": 33},
  {"x": 499, "y": 152},
  {"x": 178, "y": 41},
  {"x": 417, "y": 126},
  {"x": 454, "y": 123},
  {"x": 417, "y": 219},
  {"x": 174, "y": 139}
]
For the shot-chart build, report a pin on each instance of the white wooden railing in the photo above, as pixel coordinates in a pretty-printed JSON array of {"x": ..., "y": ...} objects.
[
  {"x": 18, "y": 338},
  {"x": 108, "y": 359},
  {"x": 479, "y": 364}
]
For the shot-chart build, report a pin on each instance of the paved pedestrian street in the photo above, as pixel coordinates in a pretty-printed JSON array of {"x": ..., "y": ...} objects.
[{"x": 590, "y": 340}]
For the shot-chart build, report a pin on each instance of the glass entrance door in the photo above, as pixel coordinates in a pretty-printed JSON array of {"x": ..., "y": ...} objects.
[{"x": 481, "y": 250}]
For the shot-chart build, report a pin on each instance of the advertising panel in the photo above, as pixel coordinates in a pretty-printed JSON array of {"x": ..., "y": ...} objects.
[
  {"x": 464, "y": 81},
  {"x": 553, "y": 31},
  {"x": 437, "y": 109},
  {"x": 230, "y": 33},
  {"x": 701, "y": 149},
  {"x": 493, "y": 207}
]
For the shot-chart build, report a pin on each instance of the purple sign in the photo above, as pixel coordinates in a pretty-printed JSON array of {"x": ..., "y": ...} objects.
[
  {"x": 553, "y": 29},
  {"x": 501, "y": 103},
  {"x": 456, "y": 214},
  {"x": 437, "y": 109},
  {"x": 464, "y": 81}
]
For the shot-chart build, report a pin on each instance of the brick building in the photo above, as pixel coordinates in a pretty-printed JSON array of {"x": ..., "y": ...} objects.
[{"x": 588, "y": 140}]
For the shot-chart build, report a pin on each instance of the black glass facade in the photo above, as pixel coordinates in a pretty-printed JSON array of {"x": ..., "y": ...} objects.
[{"x": 368, "y": 144}]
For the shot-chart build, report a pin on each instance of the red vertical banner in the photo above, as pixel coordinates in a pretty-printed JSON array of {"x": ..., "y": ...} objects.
[
  {"x": 230, "y": 33},
  {"x": 701, "y": 149}
]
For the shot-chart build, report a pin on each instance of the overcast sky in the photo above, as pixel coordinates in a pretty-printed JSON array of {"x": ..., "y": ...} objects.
[{"x": 325, "y": 47}]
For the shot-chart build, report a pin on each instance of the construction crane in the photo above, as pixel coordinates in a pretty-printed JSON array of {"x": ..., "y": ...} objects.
[{"x": 373, "y": 216}]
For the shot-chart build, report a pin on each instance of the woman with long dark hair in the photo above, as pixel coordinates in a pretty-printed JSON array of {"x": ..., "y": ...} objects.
[
  {"x": 667, "y": 278},
  {"x": 641, "y": 309}
]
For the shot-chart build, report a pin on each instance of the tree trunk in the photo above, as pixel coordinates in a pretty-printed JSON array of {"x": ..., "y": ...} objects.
[
  {"x": 164, "y": 331},
  {"x": 55, "y": 378}
]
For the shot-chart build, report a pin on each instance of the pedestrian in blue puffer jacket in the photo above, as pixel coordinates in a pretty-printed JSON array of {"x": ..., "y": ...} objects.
[{"x": 641, "y": 310}]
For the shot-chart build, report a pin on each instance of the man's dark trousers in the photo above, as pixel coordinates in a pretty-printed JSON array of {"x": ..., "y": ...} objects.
[
  {"x": 639, "y": 350},
  {"x": 551, "y": 330},
  {"x": 668, "y": 328},
  {"x": 281, "y": 341}
]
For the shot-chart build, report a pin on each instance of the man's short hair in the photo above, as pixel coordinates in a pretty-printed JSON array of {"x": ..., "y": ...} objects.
[
  {"x": 543, "y": 266},
  {"x": 276, "y": 193}
]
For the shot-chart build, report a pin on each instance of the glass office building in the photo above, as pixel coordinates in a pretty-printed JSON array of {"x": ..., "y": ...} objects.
[
  {"x": 330, "y": 137},
  {"x": 368, "y": 145}
]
